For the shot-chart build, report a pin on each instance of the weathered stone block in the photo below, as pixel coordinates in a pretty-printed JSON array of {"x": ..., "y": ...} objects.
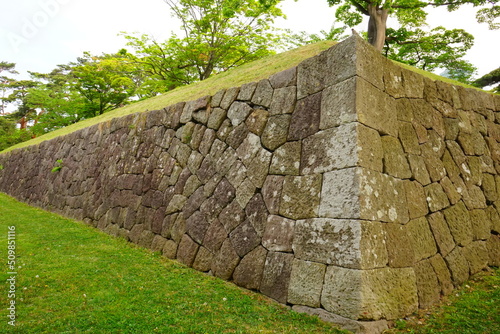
[
  {"x": 283, "y": 101},
  {"x": 306, "y": 282},
  {"x": 276, "y": 131},
  {"x": 458, "y": 220},
  {"x": 276, "y": 277},
  {"x": 428, "y": 288},
  {"x": 399, "y": 247},
  {"x": 376, "y": 109},
  {"x": 370, "y": 151},
  {"x": 395, "y": 163},
  {"x": 278, "y": 234},
  {"x": 476, "y": 254},
  {"x": 415, "y": 197},
  {"x": 300, "y": 196},
  {"x": 442, "y": 274},
  {"x": 418, "y": 169},
  {"x": 458, "y": 265},
  {"x": 263, "y": 94},
  {"x": 481, "y": 224},
  {"x": 248, "y": 273},
  {"x": 340, "y": 194},
  {"x": 203, "y": 260},
  {"x": 258, "y": 168},
  {"x": 214, "y": 237},
  {"x": 257, "y": 213},
  {"x": 225, "y": 261},
  {"x": 381, "y": 197},
  {"x": 286, "y": 159},
  {"x": 436, "y": 197},
  {"x": 305, "y": 117},
  {"x": 330, "y": 149},
  {"x": 422, "y": 239},
  {"x": 232, "y": 216},
  {"x": 370, "y": 294},
  {"x": 229, "y": 97},
  {"x": 338, "y": 105},
  {"x": 257, "y": 120},
  {"x": 246, "y": 91},
  {"x": 346, "y": 243},
  {"x": 441, "y": 232},
  {"x": 244, "y": 238},
  {"x": 187, "y": 250},
  {"x": 284, "y": 78},
  {"x": 238, "y": 112},
  {"x": 170, "y": 249},
  {"x": 271, "y": 192},
  {"x": 493, "y": 247}
]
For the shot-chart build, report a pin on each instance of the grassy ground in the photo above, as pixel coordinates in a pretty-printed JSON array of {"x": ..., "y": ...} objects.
[{"x": 71, "y": 278}]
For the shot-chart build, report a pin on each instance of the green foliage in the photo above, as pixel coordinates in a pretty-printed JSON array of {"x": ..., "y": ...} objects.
[
  {"x": 410, "y": 44},
  {"x": 76, "y": 279},
  {"x": 437, "y": 49},
  {"x": 58, "y": 166},
  {"x": 9, "y": 134},
  {"x": 489, "y": 79},
  {"x": 104, "y": 82}
]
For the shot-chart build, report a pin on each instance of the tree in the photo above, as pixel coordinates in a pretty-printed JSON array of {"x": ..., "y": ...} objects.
[
  {"x": 5, "y": 83},
  {"x": 410, "y": 14},
  {"x": 104, "y": 82},
  {"x": 221, "y": 34},
  {"x": 439, "y": 48},
  {"x": 490, "y": 79}
]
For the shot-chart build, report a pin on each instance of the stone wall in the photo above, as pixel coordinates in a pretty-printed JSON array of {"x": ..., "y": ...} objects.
[{"x": 346, "y": 186}]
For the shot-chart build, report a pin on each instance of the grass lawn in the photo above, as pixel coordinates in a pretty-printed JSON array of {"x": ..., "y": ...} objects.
[{"x": 72, "y": 278}]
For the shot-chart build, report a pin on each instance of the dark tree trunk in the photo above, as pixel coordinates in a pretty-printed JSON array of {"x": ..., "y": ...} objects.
[{"x": 377, "y": 26}]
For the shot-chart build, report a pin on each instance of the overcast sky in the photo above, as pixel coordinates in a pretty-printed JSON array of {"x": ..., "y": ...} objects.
[{"x": 37, "y": 35}]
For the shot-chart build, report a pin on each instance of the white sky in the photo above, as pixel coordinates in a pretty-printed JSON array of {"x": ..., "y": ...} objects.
[{"x": 37, "y": 35}]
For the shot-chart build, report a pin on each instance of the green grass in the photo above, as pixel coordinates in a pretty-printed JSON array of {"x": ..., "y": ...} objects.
[{"x": 72, "y": 278}]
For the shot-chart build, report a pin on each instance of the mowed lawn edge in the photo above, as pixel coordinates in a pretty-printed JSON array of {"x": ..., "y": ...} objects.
[{"x": 73, "y": 278}]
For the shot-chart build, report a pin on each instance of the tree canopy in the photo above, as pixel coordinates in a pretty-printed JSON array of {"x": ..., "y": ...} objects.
[{"x": 409, "y": 13}]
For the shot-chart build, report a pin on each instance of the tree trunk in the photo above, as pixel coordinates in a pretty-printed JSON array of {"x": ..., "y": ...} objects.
[{"x": 377, "y": 26}]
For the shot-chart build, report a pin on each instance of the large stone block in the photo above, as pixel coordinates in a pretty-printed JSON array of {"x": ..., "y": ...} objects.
[
  {"x": 399, "y": 247},
  {"x": 248, "y": 273},
  {"x": 276, "y": 277},
  {"x": 330, "y": 149},
  {"x": 276, "y": 131},
  {"x": 395, "y": 162},
  {"x": 428, "y": 288},
  {"x": 387, "y": 293},
  {"x": 344, "y": 243},
  {"x": 278, "y": 234},
  {"x": 441, "y": 232},
  {"x": 458, "y": 220},
  {"x": 381, "y": 197},
  {"x": 286, "y": 159},
  {"x": 376, "y": 109},
  {"x": 306, "y": 283},
  {"x": 421, "y": 238},
  {"x": 458, "y": 265},
  {"x": 300, "y": 196},
  {"x": 338, "y": 105}
]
